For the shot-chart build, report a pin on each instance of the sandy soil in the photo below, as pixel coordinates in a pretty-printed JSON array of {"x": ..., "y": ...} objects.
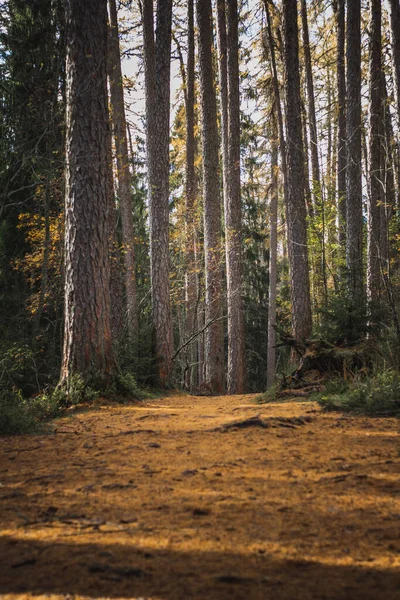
[{"x": 167, "y": 501}]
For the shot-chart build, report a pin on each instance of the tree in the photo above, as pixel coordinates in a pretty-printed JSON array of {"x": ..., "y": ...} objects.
[
  {"x": 376, "y": 152},
  {"x": 296, "y": 207},
  {"x": 124, "y": 177},
  {"x": 273, "y": 219},
  {"x": 87, "y": 338},
  {"x": 354, "y": 262},
  {"x": 214, "y": 343},
  {"x": 395, "y": 34},
  {"x": 339, "y": 7},
  {"x": 228, "y": 38},
  {"x": 157, "y": 62}
]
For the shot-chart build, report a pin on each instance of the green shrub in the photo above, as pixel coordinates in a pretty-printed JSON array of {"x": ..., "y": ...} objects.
[
  {"x": 125, "y": 388},
  {"x": 15, "y": 416},
  {"x": 372, "y": 396},
  {"x": 73, "y": 392}
]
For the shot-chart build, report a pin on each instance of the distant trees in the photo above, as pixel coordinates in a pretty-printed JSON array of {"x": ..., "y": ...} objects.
[
  {"x": 124, "y": 176},
  {"x": 307, "y": 166}
]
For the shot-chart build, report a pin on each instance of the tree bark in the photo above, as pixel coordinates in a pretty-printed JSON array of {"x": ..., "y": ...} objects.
[
  {"x": 296, "y": 207},
  {"x": 354, "y": 262},
  {"x": 376, "y": 149},
  {"x": 124, "y": 178},
  {"x": 191, "y": 194},
  {"x": 228, "y": 36},
  {"x": 273, "y": 251},
  {"x": 341, "y": 133},
  {"x": 395, "y": 35},
  {"x": 214, "y": 336},
  {"x": 87, "y": 338},
  {"x": 157, "y": 60},
  {"x": 316, "y": 176}
]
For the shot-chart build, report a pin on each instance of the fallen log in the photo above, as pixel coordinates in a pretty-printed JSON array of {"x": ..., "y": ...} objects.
[{"x": 319, "y": 360}]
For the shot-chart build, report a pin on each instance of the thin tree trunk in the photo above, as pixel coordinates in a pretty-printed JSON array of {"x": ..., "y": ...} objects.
[
  {"x": 214, "y": 335},
  {"x": 282, "y": 142},
  {"x": 124, "y": 178},
  {"x": 191, "y": 193},
  {"x": 339, "y": 6},
  {"x": 296, "y": 206},
  {"x": 116, "y": 263},
  {"x": 273, "y": 251},
  {"x": 316, "y": 177},
  {"x": 389, "y": 206},
  {"x": 157, "y": 60},
  {"x": 87, "y": 336}
]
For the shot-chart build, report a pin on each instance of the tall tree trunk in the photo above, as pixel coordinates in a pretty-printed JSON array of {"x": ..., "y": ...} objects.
[
  {"x": 311, "y": 107},
  {"x": 317, "y": 187},
  {"x": 214, "y": 340},
  {"x": 157, "y": 60},
  {"x": 275, "y": 81},
  {"x": 341, "y": 134},
  {"x": 389, "y": 206},
  {"x": 228, "y": 36},
  {"x": 395, "y": 35},
  {"x": 116, "y": 263},
  {"x": 273, "y": 251},
  {"x": 353, "y": 162},
  {"x": 296, "y": 206},
  {"x": 87, "y": 338},
  {"x": 191, "y": 193},
  {"x": 395, "y": 39},
  {"x": 124, "y": 178},
  {"x": 376, "y": 135}
]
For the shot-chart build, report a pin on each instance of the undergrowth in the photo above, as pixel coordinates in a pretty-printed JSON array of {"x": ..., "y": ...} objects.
[
  {"x": 373, "y": 396},
  {"x": 21, "y": 415}
]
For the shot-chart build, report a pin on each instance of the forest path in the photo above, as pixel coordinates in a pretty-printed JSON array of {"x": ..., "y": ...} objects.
[{"x": 166, "y": 500}]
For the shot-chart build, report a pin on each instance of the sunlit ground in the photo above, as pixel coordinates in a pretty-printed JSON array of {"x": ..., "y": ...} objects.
[{"x": 162, "y": 501}]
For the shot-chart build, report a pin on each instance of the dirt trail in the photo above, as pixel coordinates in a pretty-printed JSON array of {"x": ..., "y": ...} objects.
[{"x": 168, "y": 500}]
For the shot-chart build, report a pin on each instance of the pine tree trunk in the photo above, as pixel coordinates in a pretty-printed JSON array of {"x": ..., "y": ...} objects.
[
  {"x": 341, "y": 134},
  {"x": 273, "y": 251},
  {"x": 376, "y": 135},
  {"x": 214, "y": 337},
  {"x": 316, "y": 177},
  {"x": 124, "y": 178},
  {"x": 296, "y": 206},
  {"x": 87, "y": 338},
  {"x": 354, "y": 233},
  {"x": 389, "y": 206},
  {"x": 191, "y": 193},
  {"x": 395, "y": 35},
  {"x": 228, "y": 22},
  {"x": 157, "y": 60}
]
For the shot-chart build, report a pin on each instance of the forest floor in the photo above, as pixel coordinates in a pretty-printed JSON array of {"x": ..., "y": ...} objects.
[{"x": 205, "y": 498}]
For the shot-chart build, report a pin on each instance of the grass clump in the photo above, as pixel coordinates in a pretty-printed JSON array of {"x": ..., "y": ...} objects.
[{"x": 375, "y": 396}]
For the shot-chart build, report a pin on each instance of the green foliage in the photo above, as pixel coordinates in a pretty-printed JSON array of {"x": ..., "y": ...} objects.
[
  {"x": 18, "y": 368},
  {"x": 343, "y": 321},
  {"x": 15, "y": 416},
  {"x": 73, "y": 392},
  {"x": 125, "y": 388},
  {"x": 372, "y": 396}
]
